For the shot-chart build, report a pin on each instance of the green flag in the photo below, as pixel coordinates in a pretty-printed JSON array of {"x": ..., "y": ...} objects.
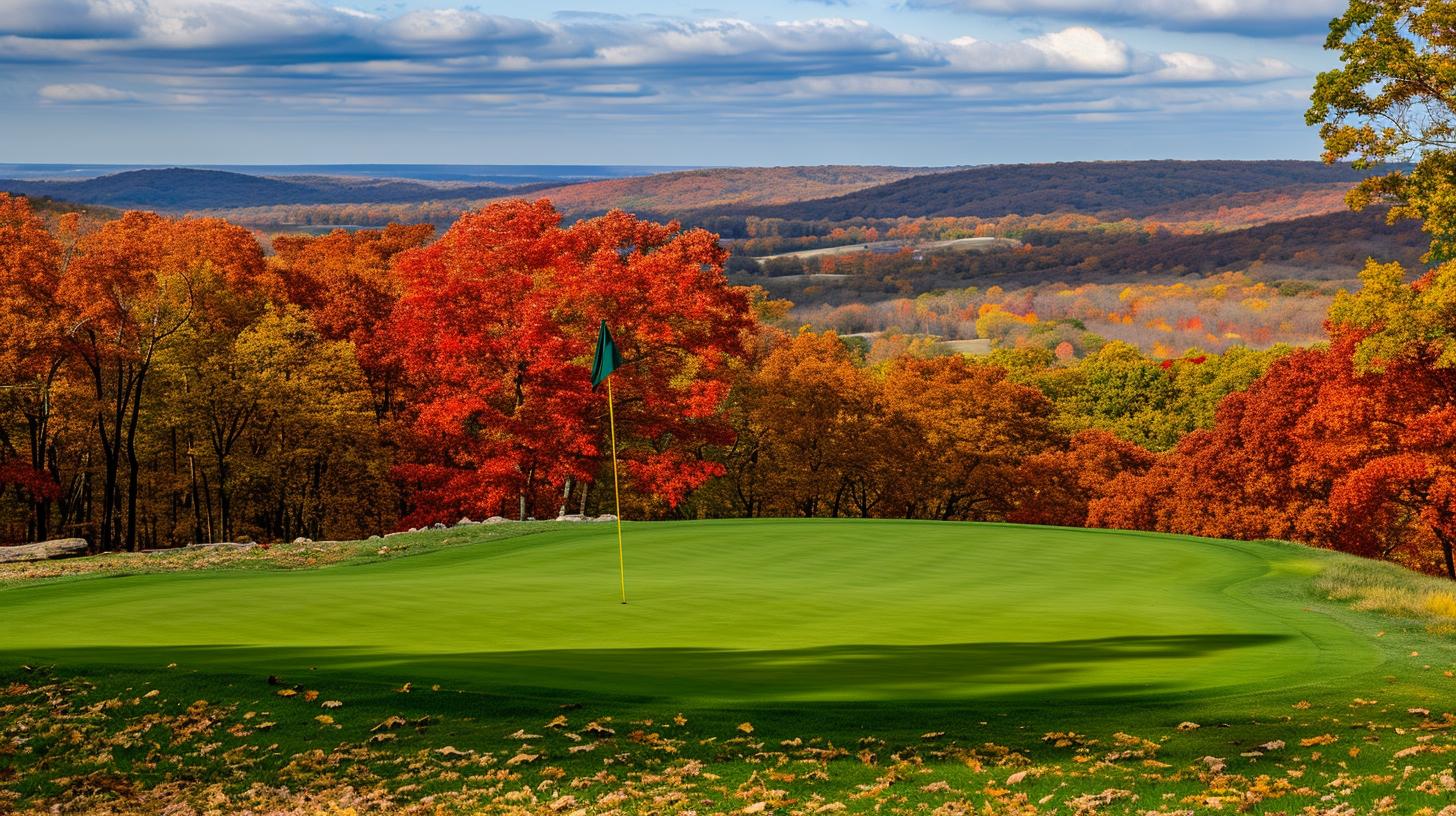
[{"x": 607, "y": 359}]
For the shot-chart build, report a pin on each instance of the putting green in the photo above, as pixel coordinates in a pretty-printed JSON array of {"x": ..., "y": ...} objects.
[{"x": 762, "y": 611}]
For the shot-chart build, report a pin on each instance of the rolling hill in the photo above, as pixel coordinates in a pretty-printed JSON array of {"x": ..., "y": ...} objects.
[
  {"x": 693, "y": 190},
  {"x": 1130, "y": 188}
]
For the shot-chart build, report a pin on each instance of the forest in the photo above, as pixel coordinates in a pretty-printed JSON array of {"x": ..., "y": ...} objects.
[{"x": 169, "y": 382}]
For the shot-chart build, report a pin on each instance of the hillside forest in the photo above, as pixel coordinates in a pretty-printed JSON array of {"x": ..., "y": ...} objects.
[{"x": 169, "y": 382}]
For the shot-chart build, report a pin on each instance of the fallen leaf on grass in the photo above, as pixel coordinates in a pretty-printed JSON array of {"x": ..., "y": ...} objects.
[
  {"x": 1214, "y": 764},
  {"x": 390, "y": 722},
  {"x": 596, "y": 729},
  {"x": 747, "y": 728},
  {"x": 452, "y": 751},
  {"x": 756, "y": 807},
  {"x": 1016, "y": 778},
  {"x": 559, "y": 721},
  {"x": 1322, "y": 739},
  {"x": 1273, "y": 745},
  {"x": 933, "y": 735},
  {"x": 1188, "y": 726},
  {"x": 310, "y": 696},
  {"x": 521, "y": 759},
  {"x": 521, "y": 734},
  {"x": 331, "y": 704},
  {"x": 938, "y": 786},
  {"x": 287, "y": 693},
  {"x": 405, "y": 689}
]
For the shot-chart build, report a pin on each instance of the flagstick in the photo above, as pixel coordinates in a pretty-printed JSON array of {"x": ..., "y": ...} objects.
[{"x": 616, "y": 493}]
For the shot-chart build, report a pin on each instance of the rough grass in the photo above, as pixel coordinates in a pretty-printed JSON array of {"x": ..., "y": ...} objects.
[{"x": 1389, "y": 589}]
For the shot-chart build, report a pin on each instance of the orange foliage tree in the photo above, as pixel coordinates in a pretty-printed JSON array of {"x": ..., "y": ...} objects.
[
  {"x": 31, "y": 355},
  {"x": 1057, "y": 485}
]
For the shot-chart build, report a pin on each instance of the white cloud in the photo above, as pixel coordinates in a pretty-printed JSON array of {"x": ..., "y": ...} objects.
[
  {"x": 1249, "y": 17},
  {"x": 84, "y": 92}
]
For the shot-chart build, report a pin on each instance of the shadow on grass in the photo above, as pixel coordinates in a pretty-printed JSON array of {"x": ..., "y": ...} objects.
[{"x": 1091, "y": 670}]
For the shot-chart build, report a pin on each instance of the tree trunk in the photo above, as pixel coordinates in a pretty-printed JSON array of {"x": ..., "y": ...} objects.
[{"x": 566, "y": 496}]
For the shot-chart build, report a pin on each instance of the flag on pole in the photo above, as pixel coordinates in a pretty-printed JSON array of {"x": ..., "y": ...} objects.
[{"x": 606, "y": 360}]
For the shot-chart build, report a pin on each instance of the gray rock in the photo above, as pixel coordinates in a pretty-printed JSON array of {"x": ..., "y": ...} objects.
[
  {"x": 571, "y": 517},
  {"x": 44, "y": 550},
  {"x": 439, "y": 525},
  {"x": 302, "y": 540},
  {"x": 606, "y": 517},
  {"x": 497, "y": 520},
  {"x": 465, "y": 522},
  {"x": 224, "y": 545},
  {"x": 374, "y": 538},
  {"x": 399, "y": 533}
]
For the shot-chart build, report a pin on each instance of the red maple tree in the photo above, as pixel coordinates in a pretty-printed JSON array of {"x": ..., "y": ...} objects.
[{"x": 495, "y": 331}]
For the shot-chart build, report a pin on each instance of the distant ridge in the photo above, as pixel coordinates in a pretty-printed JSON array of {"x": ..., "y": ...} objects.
[
  {"x": 180, "y": 188},
  {"x": 830, "y": 193},
  {"x": 1133, "y": 188}
]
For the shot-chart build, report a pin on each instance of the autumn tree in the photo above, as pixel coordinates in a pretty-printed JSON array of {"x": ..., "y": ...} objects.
[
  {"x": 346, "y": 283},
  {"x": 1058, "y": 485},
  {"x": 973, "y": 428},
  {"x": 807, "y": 430},
  {"x": 495, "y": 328},
  {"x": 32, "y": 355},
  {"x": 1391, "y": 100},
  {"x": 132, "y": 285}
]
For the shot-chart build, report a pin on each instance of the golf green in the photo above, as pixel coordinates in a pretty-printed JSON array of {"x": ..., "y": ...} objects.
[{"x": 757, "y": 612}]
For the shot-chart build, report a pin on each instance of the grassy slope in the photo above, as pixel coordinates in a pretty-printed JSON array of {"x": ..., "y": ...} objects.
[{"x": 840, "y": 631}]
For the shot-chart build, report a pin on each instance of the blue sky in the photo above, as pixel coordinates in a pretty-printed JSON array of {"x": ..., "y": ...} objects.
[{"x": 757, "y": 82}]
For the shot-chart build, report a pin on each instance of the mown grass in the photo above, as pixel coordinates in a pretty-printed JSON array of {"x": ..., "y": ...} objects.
[{"x": 763, "y": 667}]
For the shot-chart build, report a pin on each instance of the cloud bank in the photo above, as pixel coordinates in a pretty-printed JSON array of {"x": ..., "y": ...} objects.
[{"x": 285, "y": 57}]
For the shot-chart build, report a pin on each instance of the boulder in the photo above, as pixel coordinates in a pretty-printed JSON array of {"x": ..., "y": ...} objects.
[
  {"x": 44, "y": 550},
  {"x": 302, "y": 540},
  {"x": 497, "y": 520},
  {"x": 606, "y": 517},
  {"x": 399, "y": 533},
  {"x": 571, "y": 517},
  {"x": 465, "y": 522},
  {"x": 439, "y": 525},
  {"x": 374, "y": 538}
]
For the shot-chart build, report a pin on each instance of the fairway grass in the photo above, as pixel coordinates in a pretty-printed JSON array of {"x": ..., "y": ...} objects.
[{"x": 1094, "y": 661}]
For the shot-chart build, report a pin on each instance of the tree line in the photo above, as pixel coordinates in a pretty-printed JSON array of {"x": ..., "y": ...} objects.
[{"x": 168, "y": 383}]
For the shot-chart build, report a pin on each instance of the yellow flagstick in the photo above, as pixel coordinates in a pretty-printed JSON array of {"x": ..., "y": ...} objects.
[{"x": 616, "y": 493}]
